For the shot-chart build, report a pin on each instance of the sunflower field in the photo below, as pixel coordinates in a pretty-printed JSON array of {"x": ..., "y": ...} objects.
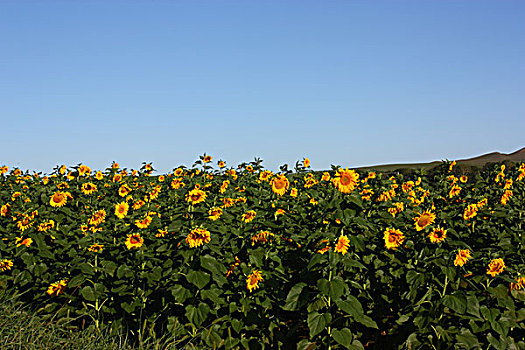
[{"x": 242, "y": 257}]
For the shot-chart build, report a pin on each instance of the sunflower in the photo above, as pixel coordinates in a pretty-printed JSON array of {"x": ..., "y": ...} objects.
[
  {"x": 161, "y": 233},
  {"x": 424, "y": 219},
  {"x": 59, "y": 199},
  {"x": 96, "y": 248},
  {"x": 265, "y": 175},
  {"x": 279, "y": 184},
  {"x": 97, "y": 218},
  {"x": 16, "y": 195},
  {"x": 196, "y": 196},
  {"x": 399, "y": 207},
  {"x": 144, "y": 222},
  {"x": 43, "y": 227},
  {"x": 252, "y": 281},
  {"x": 345, "y": 180},
  {"x": 293, "y": 192},
  {"x": 279, "y": 212},
  {"x": 221, "y": 164},
  {"x": 57, "y": 287},
  {"x": 438, "y": 235},
  {"x": 6, "y": 264},
  {"x": 124, "y": 190},
  {"x": 19, "y": 241},
  {"x": 519, "y": 284},
  {"x": 325, "y": 177},
  {"x": 198, "y": 237},
  {"x": 454, "y": 191},
  {"x": 482, "y": 203},
  {"x": 88, "y": 188},
  {"x": 248, "y": 216},
  {"x": 342, "y": 244},
  {"x": 470, "y": 211},
  {"x": 83, "y": 170},
  {"x": 393, "y": 238},
  {"x": 24, "y": 224},
  {"x": 306, "y": 163},
  {"x": 506, "y": 196},
  {"x": 4, "y": 169},
  {"x": 134, "y": 241},
  {"x": 121, "y": 209},
  {"x": 261, "y": 237},
  {"x": 214, "y": 213},
  {"x": 463, "y": 178},
  {"x": 138, "y": 204},
  {"x": 496, "y": 267},
  {"x": 4, "y": 211},
  {"x": 462, "y": 257}
]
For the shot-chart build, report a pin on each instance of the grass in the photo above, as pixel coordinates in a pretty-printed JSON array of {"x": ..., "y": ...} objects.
[{"x": 20, "y": 328}]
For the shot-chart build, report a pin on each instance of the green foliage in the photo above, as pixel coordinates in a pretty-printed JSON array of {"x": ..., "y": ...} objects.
[{"x": 313, "y": 270}]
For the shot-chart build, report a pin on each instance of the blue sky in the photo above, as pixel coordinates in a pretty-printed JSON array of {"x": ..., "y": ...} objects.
[{"x": 349, "y": 83}]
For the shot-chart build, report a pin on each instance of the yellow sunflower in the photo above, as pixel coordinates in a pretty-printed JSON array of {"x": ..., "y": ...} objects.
[
  {"x": 279, "y": 184},
  {"x": 83, "y": 170},
  {"x": 97, "y": 218},
  {"x": 252, "y": 281},
  {"x": 214, "y": 213},
  {"x": 196, "y": 196},
  {"x": 198, "y": 237},
  {"x": 207, "y": 159},
  {"x": 121, "y": 209},
  {"x": 470, "y": 211},
  {"x": 124, "y": 190},
  {"x": 463, "y": 178},
  {"x": 24, "y": 224},
  {"x": 59, "y": 199},
  {"x": 496, "y": 267},
  {"x": 293, "y": 192},
  {"x": 462, "y": 257},
  {"x": 88, "y": 188},
  {"x": 144, "y": 222},
  {"x": 393, "y": 238},
  {"x": 454, "y": 191},
  {"x": 519, "y": 284},
  {"x": 19, "y": 241},
  {"x": 57, "y": 287},
  {"x": 248, "y": 216},
  {"x": 345, "y": 180},
  {"x": 4, "y": 211},
  {"x": 424, "y": 219},
  {"x": 96, "y": 248},
  {"x": 342, "y": 244},
  {"x": 134, "y": 241},
  {"x": 438, "y": 235},
  {"x": 6, "y": 264},
  {"x": 306, "y": 163},
  {"x": 261, "y": 237},
  {"x": 221, "y": 164}
]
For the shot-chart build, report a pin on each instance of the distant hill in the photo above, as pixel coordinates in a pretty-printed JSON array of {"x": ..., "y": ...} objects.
[{"x": 493, "y": 157}]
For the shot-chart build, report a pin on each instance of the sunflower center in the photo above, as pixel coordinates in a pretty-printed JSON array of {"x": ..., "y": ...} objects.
[
  {"x": 345, "y": 180},
  {"x": 424, "y": 221},
  {"x": 279, "y": 184},
  {"x": 133, "y": 240}
]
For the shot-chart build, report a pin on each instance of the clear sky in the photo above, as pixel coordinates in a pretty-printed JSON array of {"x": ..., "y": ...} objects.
[{"x": 348, "y": 83}]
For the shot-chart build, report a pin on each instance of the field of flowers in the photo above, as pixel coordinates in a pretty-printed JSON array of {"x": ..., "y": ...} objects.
[{"x": 241, "y": 257}]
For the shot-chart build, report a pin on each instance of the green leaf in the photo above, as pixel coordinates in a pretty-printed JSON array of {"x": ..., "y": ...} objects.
[
  {"x": 211, "y": 264},
  {"x": 109, "y": 267},
  {"x": 366, "y": 321},
  {"x": 198, "y": 278},
  {"x": 352, "y": 306},
  {"x": 317, "y": 322},
  {"x": 76, "y": 281},
  {"x": 467, "y": 339},
  {"x": 337, "y": 287},
  {"x": 88, "y": 293},
  {"x": 292, "y": 300},
  {"x": 473, "y": 305},
  {"x": 343, "y": 337},
  {"x": 197, "y": 315},
  {"x": 180, "y": 293},
  {"x": 456, "y": 302}
]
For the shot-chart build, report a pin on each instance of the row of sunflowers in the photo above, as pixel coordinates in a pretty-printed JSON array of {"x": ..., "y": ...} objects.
[{"x": 230, "y": 257}]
